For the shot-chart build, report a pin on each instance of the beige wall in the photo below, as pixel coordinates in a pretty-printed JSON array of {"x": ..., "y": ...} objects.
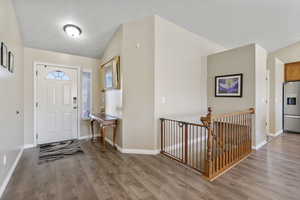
[
  {"x": 251, "y": 61},
  {"x": 158, "y": 59},
  {"x": 234, "y": 61},
  {"x": 36, "y": 55},
  {"x": 288, "y": 54},
  {"x": 134, "y": 103},
  {"x": 180, "y": 70},
  {"x": 138, "y": 84},
  {"x": 11, "y": 92}
]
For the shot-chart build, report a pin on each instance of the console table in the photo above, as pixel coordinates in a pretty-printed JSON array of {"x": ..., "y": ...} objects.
[{"x": 104, "y": 121}]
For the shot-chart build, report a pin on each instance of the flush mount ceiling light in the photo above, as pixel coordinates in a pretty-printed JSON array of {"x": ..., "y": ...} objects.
[{"x": 72, "y": 30}]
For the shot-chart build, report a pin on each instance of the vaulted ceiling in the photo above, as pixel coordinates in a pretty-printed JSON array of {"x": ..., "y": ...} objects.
[{"x": 271, "y": 23}]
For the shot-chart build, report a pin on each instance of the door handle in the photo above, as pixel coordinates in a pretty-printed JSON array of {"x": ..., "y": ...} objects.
[{"x": 75, "y": 107}]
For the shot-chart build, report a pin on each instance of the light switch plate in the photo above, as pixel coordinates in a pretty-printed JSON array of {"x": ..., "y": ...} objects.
[
  {"x": 4, "y": 160},
  {"x": 163, "y": 100}
]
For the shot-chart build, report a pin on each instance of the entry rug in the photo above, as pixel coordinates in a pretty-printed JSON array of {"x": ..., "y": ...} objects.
[{"x": 58, "y": 150}]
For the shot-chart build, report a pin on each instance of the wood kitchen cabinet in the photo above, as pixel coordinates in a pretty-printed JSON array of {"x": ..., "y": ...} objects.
[{"x": 292, "y": 71}]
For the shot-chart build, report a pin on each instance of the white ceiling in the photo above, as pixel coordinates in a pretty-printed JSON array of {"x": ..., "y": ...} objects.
[{"x": 271, "y": 23}]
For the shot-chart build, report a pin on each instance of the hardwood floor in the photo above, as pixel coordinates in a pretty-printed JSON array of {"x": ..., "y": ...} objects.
[{"x": 273, "y": 172}]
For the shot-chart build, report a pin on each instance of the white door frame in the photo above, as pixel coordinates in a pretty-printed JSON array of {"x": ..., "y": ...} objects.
[
  {"x": 78, "y": 69},
  {"x": 268, "y": 90}
]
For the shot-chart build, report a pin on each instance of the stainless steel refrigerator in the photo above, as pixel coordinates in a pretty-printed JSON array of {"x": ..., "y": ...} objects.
[{"x": 291, "y": 106}]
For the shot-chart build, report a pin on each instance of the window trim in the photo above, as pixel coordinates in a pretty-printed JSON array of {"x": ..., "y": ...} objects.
[{"x": 91, "y": 92}]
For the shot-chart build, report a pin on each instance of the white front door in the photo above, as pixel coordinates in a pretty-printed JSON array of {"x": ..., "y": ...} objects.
[{"x": 57, "y": 103}]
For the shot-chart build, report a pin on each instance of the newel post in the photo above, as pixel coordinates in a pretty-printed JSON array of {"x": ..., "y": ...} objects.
[{"x": 208, "y": 123}]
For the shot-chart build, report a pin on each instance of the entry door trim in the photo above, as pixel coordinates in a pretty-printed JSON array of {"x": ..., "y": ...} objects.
[{"x": 35, "y": 68}]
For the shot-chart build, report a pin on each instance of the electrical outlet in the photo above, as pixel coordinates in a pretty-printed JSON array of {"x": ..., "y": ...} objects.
[{"x": 4, "y": 160}]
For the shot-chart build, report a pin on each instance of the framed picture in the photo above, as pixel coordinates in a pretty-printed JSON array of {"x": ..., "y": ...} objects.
[
  {"x": 11, "y": 62},
  {"x": 4, "y": 55},
  {"x": 112, "y": 73},
  {"x": 229, "y": 85}
]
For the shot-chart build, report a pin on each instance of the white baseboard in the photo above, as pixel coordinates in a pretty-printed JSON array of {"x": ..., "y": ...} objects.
[
  {"x": 111, "y": 143},
  {"x": 87, "y": 137},
  {"x": 28, "y": 146},
  {"x": 276, "y": 134},
  {"x": 141, "y": 151},
  {"x": 259, "y": 145},
  {"x": 10, "y": 173},
  {"x": 134, "y": 151},
  {"x": 129, "y": 151}
]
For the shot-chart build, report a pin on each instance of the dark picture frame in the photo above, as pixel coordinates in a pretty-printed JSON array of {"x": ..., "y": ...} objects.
[
  {"x": 3, "y": 55},
  {"x": 11, "y": 62},
  {"x": 229, "y": 85}
]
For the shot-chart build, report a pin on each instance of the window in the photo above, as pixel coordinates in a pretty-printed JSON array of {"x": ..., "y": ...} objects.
[
  {"x": 58, "y": 75},
  {"x": 86, "y": 94}
]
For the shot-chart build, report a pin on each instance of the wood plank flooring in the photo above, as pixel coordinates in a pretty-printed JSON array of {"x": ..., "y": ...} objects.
[{"x": 273, "y": 172}]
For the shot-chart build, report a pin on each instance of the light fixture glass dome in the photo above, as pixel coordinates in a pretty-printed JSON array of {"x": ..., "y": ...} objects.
[{"x": 72, "y": 30}]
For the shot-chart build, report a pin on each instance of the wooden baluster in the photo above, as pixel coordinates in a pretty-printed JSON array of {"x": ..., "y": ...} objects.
[
  {"x": 246, "y": 127},
  {"x": 191, "y": 155},
  {"x": 235, "y": 136},
  {"x": 227, "y": 132},
  {"x": 162, "y": 133},
  {"x": 213, "y": 148},
  {"x": 244, "y": 133},
  {"x": 238, "y": 136},
  {"x": 232, "y": 138},
  {"x": 241, "y": 134},
  {"x": 195, "y": 146},
  {"x": 169, "y": 137},
  {"x": 216, "y": 141},
  {"x": 223, "y": 144},
  {"x": 175, "y": 139},
  {"x": 182, "y": 144}
]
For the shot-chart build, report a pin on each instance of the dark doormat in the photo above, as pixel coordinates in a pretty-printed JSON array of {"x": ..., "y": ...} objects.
[{"x": 58, "y": 150}]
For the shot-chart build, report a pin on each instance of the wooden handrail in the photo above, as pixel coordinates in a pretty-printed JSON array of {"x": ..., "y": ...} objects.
[{"x": 211, "y": 116}]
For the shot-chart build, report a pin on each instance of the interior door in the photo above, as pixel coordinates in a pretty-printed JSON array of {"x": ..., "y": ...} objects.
[{"x": 57, "y": 103}]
